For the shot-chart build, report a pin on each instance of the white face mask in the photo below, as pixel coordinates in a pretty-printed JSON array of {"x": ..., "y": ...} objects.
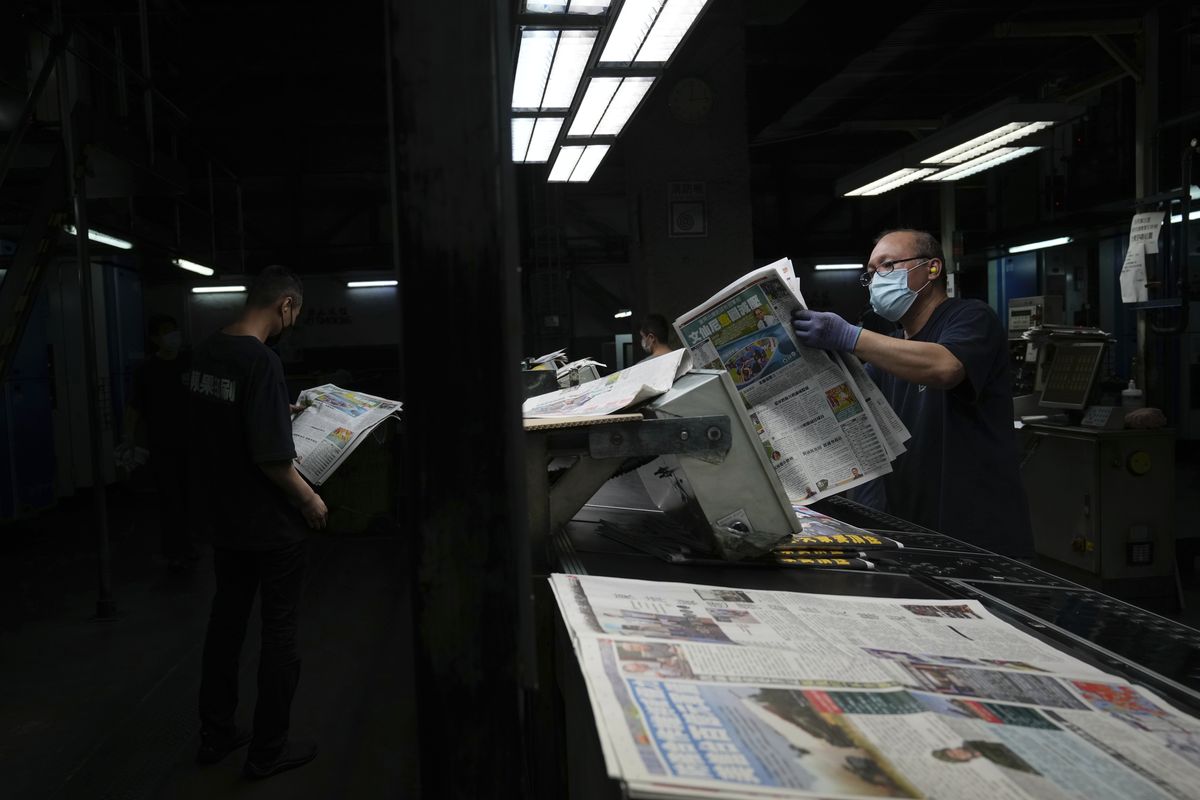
[
  {"x": 646, "y": 346},
  {"x": 890, "y": 296}
]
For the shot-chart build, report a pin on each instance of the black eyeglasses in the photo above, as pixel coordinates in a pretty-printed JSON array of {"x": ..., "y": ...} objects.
[{"x": 886, "y": 267}]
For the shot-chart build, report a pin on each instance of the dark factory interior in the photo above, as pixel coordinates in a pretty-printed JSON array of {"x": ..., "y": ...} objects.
[{"x": 446, "y": 234}]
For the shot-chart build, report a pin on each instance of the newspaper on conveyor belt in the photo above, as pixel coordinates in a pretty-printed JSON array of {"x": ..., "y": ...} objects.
[{"x": 718, "y": 692}]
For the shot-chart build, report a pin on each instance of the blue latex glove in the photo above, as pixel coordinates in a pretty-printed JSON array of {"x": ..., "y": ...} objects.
[{"x": 825, "y": 331}]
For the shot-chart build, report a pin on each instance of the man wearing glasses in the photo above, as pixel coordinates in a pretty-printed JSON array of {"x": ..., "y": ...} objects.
[{"x": 946, "y": 374}]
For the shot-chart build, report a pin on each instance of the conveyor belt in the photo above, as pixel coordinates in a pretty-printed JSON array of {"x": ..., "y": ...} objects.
[{"x": 1112, "y": 634}]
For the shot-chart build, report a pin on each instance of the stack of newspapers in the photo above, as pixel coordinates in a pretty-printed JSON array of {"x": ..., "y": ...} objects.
[
  {"x": 714, "y": 692},
  {"x": 823, "y": 422}
]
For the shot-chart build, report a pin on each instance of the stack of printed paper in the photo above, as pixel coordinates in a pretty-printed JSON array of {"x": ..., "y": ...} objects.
[{"x": 704, "y": 691}]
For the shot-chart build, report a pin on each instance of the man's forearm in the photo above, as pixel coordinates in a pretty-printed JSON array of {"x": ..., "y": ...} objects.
[
  {"x": 925, "y": 363},
  {"x": 285, "y": 476}
]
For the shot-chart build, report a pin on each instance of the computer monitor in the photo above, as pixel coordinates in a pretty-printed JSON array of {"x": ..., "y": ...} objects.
[{"x": 1072, "y": 374}]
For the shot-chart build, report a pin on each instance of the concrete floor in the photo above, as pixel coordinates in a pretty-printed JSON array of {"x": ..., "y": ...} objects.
[{"x": 107, "y": 709}]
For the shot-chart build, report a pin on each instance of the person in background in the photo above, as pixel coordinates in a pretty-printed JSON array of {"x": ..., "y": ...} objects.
[
  {"x": 655, "y": 333},
  {"x": 257, "y": 508},
  {"x": 159, "y": 399},
  {"x": 946, "y": 373}
]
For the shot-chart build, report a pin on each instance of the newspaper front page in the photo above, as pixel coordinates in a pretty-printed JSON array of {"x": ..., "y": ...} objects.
[
  {"x": 810, "y": 410},
  {"x": 332, "y": 425},
  {"x": 711, "y": 691}
]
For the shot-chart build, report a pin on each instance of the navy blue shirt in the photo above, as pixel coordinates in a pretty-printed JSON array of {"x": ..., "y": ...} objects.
[
  {"x": 960, "y": 474},
  {"x": 240, "y": 419}
]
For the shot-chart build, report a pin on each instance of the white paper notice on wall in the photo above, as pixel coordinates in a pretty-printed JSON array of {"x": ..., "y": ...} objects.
[
  {"x": 1133, "y": 275},
  {"x": 1144, "y": 230}
]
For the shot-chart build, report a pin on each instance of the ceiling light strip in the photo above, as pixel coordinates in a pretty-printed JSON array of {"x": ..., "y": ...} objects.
[
  {"x": 899, "y": 178},
  {"x": 534, "y": 61},
  {"x": 564, "y": 163},
  {"x": 634, "y": 23},
  {"x": 992, "y": 159},
  {"x": 596, "y": 98},
  {"x": 192, "y": 266},
  {"x": 675, "y": 19},
  {"x": 217, "y": 289},
  {"x": 624, "y": 102},
  {"x": 951, "y": 156},
  {"x": 1025, "y": 248},
  {"x": 586, "y": 166},
  {"x": 570, "y": 59},
  {"x": 541, "y": 143},
  {"x": 522, "y": 131}
]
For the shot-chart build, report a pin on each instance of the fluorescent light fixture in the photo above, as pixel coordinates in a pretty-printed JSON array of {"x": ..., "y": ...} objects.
[
  {"x": 1024, "y": 248},
  {"x": 192, "y": 266},
  {"x": 549, "y": 66},
  {"x": 522, "y": 131},
  {"x": 102, "y": 238},
  {"x": 1192, "y": 217},
  {"x": 577, "y": 163},
  {"x": 986, "y": 143},
  {"x": 591, "y": 158},
  {"x": 596, "y": 97},
  {"x": 672, "y": 25},
  {"x": 370, "y": 284},
  {"x": 563, "y": 7},
  {"x": 838, "y": 266},
  {"x": 533, "y": 68},
  {"x": 541, "y": 144},
  {"x": 217, "y": 289},
  {"x": 624, "y": 103},
  {"x": 992, "y": 159},
  {"x": 981, "y": 141},
  {"x": 565, "y": 163},
  {"x": 623, "y": 313},
  {"x": 634, "y": 21},
  {"x": 574, "y": 48},
  {"x": 649, "y": 31},
  {"x": 607, "y": 105},
  {"x": 534, "y": 138},
  {"x": 888, "y": 182}
]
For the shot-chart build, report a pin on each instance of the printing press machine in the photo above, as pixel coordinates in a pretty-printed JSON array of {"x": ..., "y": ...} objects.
[{"x": 1115, "y": 636}]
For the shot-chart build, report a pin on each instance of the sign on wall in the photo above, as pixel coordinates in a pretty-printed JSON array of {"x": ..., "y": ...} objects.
[{"x": 687, "y": 210}]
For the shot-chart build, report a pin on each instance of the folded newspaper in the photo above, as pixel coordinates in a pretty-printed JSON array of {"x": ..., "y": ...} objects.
[
  {"x": 644, "y": 380},
  {"x": 332, "y": 425},
  {"x": 825, "y": 425},
  {"x": 705, "y": 691}
]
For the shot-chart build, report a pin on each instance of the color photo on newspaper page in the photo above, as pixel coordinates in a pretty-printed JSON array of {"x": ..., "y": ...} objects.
[{"x": 714, "y": 691}]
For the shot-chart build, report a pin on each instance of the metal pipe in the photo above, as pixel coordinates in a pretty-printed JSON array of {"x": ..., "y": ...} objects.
[
  {"x": 106, "y": 606},
  {"x": 241, "y": 230},
  {"x": 212, "y": 214},
  {"x": 57, "y": 44},
  {"x": 122, "y": 89},
  {"x": 148, "y": 85}
]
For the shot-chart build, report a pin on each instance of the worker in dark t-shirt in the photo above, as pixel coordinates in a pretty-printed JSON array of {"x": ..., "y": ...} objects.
[
  {"x": 157, "y": 401},
  {"x": 946, "y": 374},
  {"x": 256, "y": 508}
]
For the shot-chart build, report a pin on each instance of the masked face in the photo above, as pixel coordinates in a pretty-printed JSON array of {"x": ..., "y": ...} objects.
[
  {"x": 647, "y": 344},
  {"x": 289, "y": 310},
  {"x": 890, "y": 296}
]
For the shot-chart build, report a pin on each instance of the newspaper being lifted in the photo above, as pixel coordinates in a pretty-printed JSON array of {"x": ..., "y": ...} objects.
[
  {"x": 644, "y": 380},
  {"x": 825, "y": 425},
  {"x": 333, "y": 423},
  {"x": 706, "y": 691}
]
